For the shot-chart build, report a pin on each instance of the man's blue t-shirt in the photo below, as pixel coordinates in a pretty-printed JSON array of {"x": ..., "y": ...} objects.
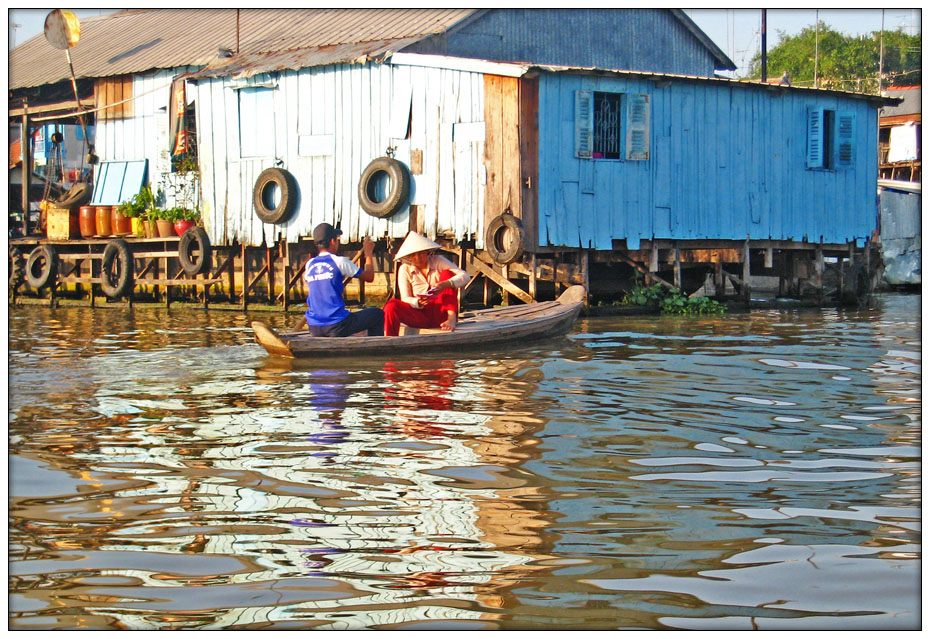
[{"x": 323, "y": 275}]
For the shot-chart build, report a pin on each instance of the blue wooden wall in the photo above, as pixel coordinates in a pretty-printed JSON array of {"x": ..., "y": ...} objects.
[
  {"x": 628, "y": 39},
  {"x": 726, "y": 161}
]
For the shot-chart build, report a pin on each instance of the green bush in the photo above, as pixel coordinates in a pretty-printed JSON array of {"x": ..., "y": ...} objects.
[{"x": 657, "y": 297}]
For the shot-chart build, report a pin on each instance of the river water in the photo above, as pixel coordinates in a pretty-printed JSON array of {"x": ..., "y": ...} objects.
[{"x": 760, "y": 470}]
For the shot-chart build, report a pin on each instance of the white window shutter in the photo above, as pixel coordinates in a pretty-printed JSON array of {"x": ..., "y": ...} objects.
[
  {"x": 845, "y": 140},
  {"x": 584, "y": 124},
  {"x": 815, "y": 138},
  {"x": 637, "y": 127}
]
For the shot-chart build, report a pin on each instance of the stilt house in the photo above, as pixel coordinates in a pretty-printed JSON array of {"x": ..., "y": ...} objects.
[{"x": 540, "y": 144}]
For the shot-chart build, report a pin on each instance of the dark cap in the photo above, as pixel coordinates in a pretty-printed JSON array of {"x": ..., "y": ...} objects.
[{"x": 325, "y": 232}]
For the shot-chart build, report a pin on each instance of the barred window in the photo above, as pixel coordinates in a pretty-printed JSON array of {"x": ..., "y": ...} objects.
[
  {"x": 607, "y": 140},
  {"x": 611, "y": 126}
]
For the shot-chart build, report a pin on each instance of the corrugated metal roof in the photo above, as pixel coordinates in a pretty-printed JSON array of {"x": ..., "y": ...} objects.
[{"x": 140, "y": 40}]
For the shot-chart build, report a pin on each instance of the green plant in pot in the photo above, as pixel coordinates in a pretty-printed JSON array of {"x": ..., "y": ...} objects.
[
  {"x": 164, "y": 220},
  {"x": 187, "y": 218}
]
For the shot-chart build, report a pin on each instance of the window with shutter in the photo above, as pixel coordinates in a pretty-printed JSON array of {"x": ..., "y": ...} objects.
[
  {"x": 831, "y": 139},
  {"x": 584, "y": 123},
  {"x": 637, "y": 131},
  {"x": 845, "y": 140},
  {"x": 815, "y": 138}
]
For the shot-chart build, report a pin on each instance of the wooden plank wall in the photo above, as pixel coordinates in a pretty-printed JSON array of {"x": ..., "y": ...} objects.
[{"x": 502, "y": 147}]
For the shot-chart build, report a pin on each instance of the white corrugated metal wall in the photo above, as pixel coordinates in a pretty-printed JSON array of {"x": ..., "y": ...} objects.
[
  {"x": 329, "y": 123},
  {"x": 144, "y": 136}
]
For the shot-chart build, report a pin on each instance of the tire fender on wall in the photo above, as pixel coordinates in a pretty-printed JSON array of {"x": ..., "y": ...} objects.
[
  {"x": 17, "y": 268},
  {"x": 195, "y": 238},
  {"x": 397, "y": 196},
  {"x": 504, "y": 239},
  {"x": 77, "y": 195},
  {"x": 116, "y": 271},
  {"x": 42, "y": 267},
  {"x": 261, "y": 196}
]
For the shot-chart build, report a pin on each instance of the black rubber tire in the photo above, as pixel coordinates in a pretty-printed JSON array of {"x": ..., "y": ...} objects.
[
  {"x": 287, "y": 184},
  {"x": 77, "y": 195},
  {"x": 856, "y": 285},
  {"x": 17, "y": 268},
  {"x": 42, "y": 267},
  {"x": 118, "y": 283},
  {"x": 195, "y": 238},
  {"x": 397, "y": 196},
  {"x": 494, "y": 243}
]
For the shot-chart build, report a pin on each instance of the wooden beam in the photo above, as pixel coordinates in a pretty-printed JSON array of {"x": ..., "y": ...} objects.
[
  {"x": 504, "y": 283},
  {"x": 642, "y": 269}
]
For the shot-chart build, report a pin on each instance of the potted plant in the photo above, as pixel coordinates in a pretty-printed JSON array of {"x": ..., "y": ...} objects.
[
  {"x": 131, "y": 209},
  {"x": 139, "y": 210},
  {"x": 187, "y": 218},
  {"x": 164, "y": 220},
  {"x": 148, "y": 222}
]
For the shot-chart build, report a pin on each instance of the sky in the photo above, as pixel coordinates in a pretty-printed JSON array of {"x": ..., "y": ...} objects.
[{"x": 735, "y": 31}]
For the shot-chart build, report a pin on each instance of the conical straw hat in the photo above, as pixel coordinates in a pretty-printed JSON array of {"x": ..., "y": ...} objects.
[{"x": 414, "y": 243}]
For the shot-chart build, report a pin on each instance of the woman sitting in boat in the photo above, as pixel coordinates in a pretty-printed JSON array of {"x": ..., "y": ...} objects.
[{"x": 427, "y": 285}]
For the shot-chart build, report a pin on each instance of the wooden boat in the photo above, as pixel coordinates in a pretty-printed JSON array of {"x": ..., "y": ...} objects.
[{"x": 475, "y": 330}]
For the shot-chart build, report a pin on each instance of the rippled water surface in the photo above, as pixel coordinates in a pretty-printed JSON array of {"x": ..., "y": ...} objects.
[{"x": 753, "y": 471}]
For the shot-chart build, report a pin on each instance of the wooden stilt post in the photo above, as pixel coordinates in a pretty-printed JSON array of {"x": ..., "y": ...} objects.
[
  {"x": 818, "y": 272},
  {"x": 720, "y": 282},
  {"x": 677, "y": 280},
  {"x": 231, "y": 271},
  {"x": 163, "y": 266},
  {"x": 585, "y": 275},
  {"x": 287, "y": 271},
  {"x": 868, "y": 271},
  {"x": 505, "y": 296},
  {"x": 533, "y": 276},
  {"x": 269, "y": 273},
  {"x": 746, "y": 292},
  {"x": 769, "y": 257},
  {"x": 654, "y": 257},
  {"x": 245, "y": 277}
]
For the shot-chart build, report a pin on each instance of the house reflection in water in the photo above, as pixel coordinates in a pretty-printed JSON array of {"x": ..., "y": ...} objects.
[{"x": 351, "y": 500}]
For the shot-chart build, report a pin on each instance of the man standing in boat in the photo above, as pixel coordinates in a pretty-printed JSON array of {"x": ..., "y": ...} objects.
[
  {"x": 427, "y": 285},
  {"x": 327, "y": 315}
]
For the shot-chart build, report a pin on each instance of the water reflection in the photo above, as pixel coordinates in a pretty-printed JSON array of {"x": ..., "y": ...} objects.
[{"x": 758, "y": 471}]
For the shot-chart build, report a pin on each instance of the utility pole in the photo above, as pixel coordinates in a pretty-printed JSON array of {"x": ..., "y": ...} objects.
[
  {"x": 881, "y": 54},
  {"x": 764, "y": 62},
  {"x": 816, "y": 43}
]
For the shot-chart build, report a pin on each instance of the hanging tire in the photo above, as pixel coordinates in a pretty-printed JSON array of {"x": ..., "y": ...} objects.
[
  {"x": 78, "y": 195},
  {"x": 116, "y": 271},
  {"x": 262, "y": 200},
  {"x": 17, "y": 268},
  {"x": 397, "y": 195},
  {"x": 504, "y": 239},
  {"x": 42, "y": 267},
  {"x": 195, "y": 239}
]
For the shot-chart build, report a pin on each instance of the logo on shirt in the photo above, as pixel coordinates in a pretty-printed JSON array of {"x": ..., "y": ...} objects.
[{"x": 319, "y": 272}]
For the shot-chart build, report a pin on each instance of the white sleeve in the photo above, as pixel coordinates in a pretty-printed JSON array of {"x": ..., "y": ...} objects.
[{"x": 347, "y": 267}]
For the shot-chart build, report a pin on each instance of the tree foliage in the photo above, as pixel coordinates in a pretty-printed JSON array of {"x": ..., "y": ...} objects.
[{"x": 844, "y": 62}]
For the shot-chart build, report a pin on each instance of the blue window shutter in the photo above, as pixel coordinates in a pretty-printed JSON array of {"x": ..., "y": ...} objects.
[
  {"x": 637, "y": 129},
  {"x": 845, "y": 140},
  {"x": 814, "y": 138},
  {"x": 584, "y": 124}
]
